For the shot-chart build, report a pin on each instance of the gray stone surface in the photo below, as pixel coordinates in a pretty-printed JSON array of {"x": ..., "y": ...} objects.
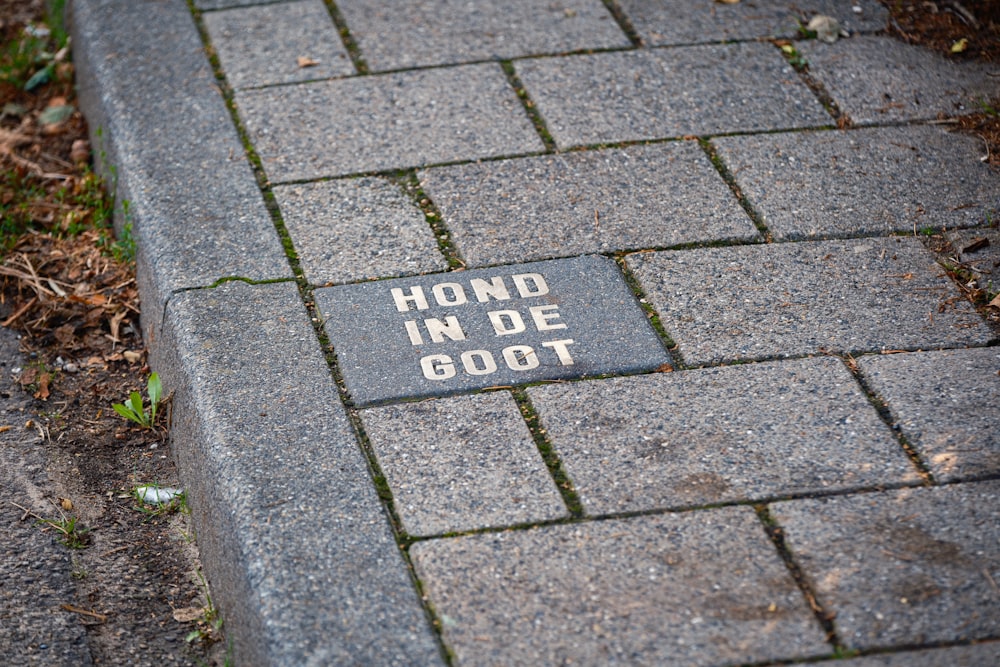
[
  {"x": 197, "y": 214},
  {"x": 866, "y": 181},
  {"x": 946, "y": 403},
  {"x": 880, "y": 79},
  {"x": 406, "y": 119},
  {"x": 609, "y": 97},
  {"x": 551, "y": 320},
  {"x": 786, "y": 299},
  {"x": 736, "y": 433},
  {"x": 585, "y": 202},
  {"x": 697, "y": 588},
  {"x": 661, "y": 22},
  {"x": 977, "y": 655},
  {"x": 908, "y": 567},
  {"x": 223, "y": 4},
  {"x": 461, "y": 463},
  {"x": 259, "y": 46},
  {"x": 293, "y": 536},
  {"x": 35, "y": 571},
  {"x": 357, "y": 229},
  {"x": 438, "y": 32}
]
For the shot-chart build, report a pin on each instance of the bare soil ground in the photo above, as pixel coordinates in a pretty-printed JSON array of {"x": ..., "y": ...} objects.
[{"x": 67, "y": 287}]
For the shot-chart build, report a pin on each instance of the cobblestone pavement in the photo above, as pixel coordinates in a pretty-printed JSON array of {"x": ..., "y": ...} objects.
[{"x": 569, "y": 332}]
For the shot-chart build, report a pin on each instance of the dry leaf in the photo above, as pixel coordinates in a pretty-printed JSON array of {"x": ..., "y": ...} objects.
[
  {"x": 188, "y": 614},
  {"x": 996, "y": 301},
  {"x": 90, "y": 299},
  {"x": 43, "y": 386},
  {"x": 307, "y": 62},
  {"x": 115, "y": 323},
  {"x": 80, "y": 152},
  {"x": 977, "y": 243},
  {"x": 65, "y": 334},
  {"x": 28, "y": 375},
  {"x": 132, "y": 356}
]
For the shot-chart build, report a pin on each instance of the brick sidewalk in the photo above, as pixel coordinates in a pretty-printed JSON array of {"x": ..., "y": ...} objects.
[{"x": 643, "y": 288}]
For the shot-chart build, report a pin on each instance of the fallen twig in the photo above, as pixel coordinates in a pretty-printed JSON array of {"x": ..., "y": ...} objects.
[{"x": 85, "y": 612}]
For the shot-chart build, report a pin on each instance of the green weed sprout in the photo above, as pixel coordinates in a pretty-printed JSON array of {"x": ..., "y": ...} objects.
[{"x": 134, "y": 410}]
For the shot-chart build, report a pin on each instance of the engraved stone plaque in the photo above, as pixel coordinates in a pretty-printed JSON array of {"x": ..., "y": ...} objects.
[{"x": 446, "y": 333}]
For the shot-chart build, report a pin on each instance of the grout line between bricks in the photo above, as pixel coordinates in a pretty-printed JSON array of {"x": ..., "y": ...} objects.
[
  {"x": 410, "y": 183},
  {"x": 730, "y": 179},
  {"x": 548, "y": 452},
  {"x": 306, "y": 293},
  {"x": 529, "y": 106},
  {"x": 624, "y": 22},
  {"x": 353, "y": 50},
  {"x": 801, "y": 67},
  {"x": 777, "y": 536},
  {"x": 885, "y": 414},
  {"x": 651, "y": 315},
  {"x": 686, "y": 509}
]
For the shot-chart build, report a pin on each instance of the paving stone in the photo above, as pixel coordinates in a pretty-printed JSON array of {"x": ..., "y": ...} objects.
[
  {"x": 260, "y": 46},
  {"x": 867, "y": 181},
  {"x": 697, "y": 588},
  {"x": 714, "y": 435},
  {"x": 462, "y": 463},
  {"x": 293, "y": 536},
  {"x": 977, "y": 655},
  {"x": 880, "y": 79},
  {"x": 439, "y": 32},
  {"x": 391, "y": 121},
  {"x": 681, "y": 22},
  {"x": 585, "y": 202},
  {"x": 984, "y": 259},
  {"x": 945, "y": 403},
  {"x": 446, "y": 333},
  {"x": 609, "y": 97},
  {"x": 752, "y": 302},
  {"x": 357, "y": 229},
  {"x": 908, "y": 567}
]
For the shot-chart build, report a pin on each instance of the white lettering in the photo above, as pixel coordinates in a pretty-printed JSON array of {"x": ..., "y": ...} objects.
[
  {"x": 520, "y": 358},
  {"x": 542, "y": 318},
  {"x": 559, "y": 346},
  {"x": 468, "y": 361},
  {"x": 437, "y": 367},
  {"x": 413, "y": 332},
  {"x": 536, "y": 288},
  {"x": 494, "y": 288},
  {"x": 513, "y": 324},
  {"x": 450, "y": 328},
  {"x": 416, "y": 296},
  {"x": 457, "y": 294}
]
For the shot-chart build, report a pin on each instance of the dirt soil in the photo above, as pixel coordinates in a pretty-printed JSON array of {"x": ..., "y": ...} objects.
[
  {"x": 131, "y": 578},
  {"x": 131, "y": 591}
]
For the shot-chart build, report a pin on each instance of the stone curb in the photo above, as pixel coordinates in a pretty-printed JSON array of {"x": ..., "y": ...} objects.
[
  {"x": 164, "y": 140},
  {"x": 293, "y": 537}
]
